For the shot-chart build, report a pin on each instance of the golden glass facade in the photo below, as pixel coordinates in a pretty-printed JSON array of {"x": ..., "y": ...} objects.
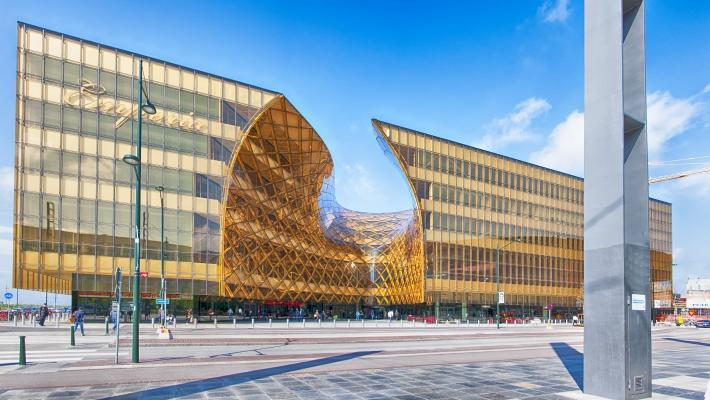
[
  {"x": 285, "y": 237},
  {"x": 474, "y": 202},
  {"x": 76, "y": 117},
  {"x": 277, "y": 233}
]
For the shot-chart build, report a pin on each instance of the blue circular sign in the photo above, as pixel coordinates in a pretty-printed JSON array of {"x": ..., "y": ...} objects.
[{"x": 8, "y": 295}]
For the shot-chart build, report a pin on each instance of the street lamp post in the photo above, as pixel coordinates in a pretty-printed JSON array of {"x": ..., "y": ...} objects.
[
  {"x": 163, "y": 294},
  {"x": 135, "y": 162},
  {"x": 498, "y": 249}
]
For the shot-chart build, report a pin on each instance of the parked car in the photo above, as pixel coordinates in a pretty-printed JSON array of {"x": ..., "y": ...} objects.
[{"x": 702, "y": 323}]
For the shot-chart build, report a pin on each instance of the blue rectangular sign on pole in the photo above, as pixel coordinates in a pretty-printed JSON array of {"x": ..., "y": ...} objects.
[{"x": 162, "y": 301}]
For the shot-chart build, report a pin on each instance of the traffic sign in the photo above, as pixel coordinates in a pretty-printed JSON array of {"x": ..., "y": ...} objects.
[
  {"x": 143, "y": 274},
  {"x": 8, "y": 295},
  {"x": 549, "y": 307},
  {"x": 162, "y": 301},
  {"x": 501, "y": 297}
]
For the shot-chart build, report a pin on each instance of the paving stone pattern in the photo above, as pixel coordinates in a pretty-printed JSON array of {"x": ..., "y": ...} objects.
[{"x": 682, "y": 373}]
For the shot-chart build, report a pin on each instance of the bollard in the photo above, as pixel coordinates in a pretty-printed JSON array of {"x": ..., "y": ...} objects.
[
  {"x": 106, "y": 321},
  {"x": 14, "y": 320},
  {"x": 152, "y": 323},
  {"x": 234, "y": 322},
  {"x": 71, "y": 332},
  {"x": 33, "y": 321},
  {"x": 334, "y": 320},
  {"x": 401, "y": 323},
  {"x": 23, "y": 359},
  {"x": 252, "y": 323},
  {"x": 348, "y": 322},
  {"x": 175, "y": 323},
  {"x": 269, "y": 322},
  {"x": 468, "y": 323},
  {"x": 319, "y": 322},
  {"x": 215, "y": 322},
  {"x": 287, "y": 322},
  {"x": 23, "y": 318},
  {"x": 458, "y": 323},
  {"x": 303, "y": 322},
  {"x": 194, "y": 323},
  {"x": 56, "y": 322},
  {"x": 362, "y": 322}
]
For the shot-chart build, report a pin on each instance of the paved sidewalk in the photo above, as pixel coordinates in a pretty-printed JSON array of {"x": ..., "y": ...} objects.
[{"x": 681, "y": 373}]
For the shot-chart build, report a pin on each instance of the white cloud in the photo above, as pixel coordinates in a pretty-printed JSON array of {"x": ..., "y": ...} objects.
[
  {"x": 357, "y": 181},
  {"x": 696, "y": 186},
  {"x": 515, "y": 126},
  {"x": 7, "y": 178},
  {"x": 557, "y": 11},
  {"x": 678, "y": 254},
  {"x": 5, "y": 229},
  {"x": 5, "y": 247},
  {"x": 565, "y": 146},
  {"x": 668, "y": 117}
]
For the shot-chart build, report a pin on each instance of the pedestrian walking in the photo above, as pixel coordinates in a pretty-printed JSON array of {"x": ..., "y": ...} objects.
[
  {"x": 79, "y": 321},
  {"x": 114, "y": 319},
  {"x": 230, "y": 313},
  {"x": 43, "y": 313},
  {"x": 390, "y": 314},
  {"x": 357, "y": 315},
  {"x": 575, "y": 320}
]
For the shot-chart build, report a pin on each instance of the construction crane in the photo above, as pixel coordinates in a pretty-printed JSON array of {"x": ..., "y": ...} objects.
[{"x": 678, "y": 175}]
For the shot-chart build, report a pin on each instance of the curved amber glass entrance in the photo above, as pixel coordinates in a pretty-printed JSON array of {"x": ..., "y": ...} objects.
[{"x": 284, "y": 236}]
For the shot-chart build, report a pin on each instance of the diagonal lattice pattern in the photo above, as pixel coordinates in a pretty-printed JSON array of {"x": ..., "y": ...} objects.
[{"x": 284, "y": 237}]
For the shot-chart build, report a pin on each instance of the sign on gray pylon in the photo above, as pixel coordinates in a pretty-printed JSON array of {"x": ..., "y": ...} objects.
[{"x": 8, "y": 295}]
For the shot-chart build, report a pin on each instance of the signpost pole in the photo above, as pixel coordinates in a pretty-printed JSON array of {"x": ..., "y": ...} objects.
[{"x": 118, "y": 309}]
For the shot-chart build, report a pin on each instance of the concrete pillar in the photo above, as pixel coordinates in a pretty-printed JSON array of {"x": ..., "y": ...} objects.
[{"x": 617, "y": 302}]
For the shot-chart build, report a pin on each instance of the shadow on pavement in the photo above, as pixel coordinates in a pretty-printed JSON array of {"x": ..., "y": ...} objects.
[
  {"x": 687, "y": 341},
  {"x": 572, "y": 360},
  {"x": 203, "y": 385}
]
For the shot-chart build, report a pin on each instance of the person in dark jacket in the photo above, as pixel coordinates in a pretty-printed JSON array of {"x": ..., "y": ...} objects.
[{"x": 43, "y": 314}]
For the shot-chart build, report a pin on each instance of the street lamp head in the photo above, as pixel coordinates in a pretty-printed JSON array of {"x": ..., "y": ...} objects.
[
  {"x": 159, "y": 188},
  {"x": 148, "y": 108},
  {"x": 131, "y": 159}
]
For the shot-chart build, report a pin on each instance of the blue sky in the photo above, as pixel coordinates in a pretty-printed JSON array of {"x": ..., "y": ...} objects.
[{"x": 507, "y": 76}]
